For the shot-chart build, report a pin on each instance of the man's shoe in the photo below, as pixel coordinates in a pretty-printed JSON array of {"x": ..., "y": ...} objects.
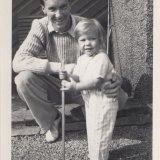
[{"x": 53, "y": 133}]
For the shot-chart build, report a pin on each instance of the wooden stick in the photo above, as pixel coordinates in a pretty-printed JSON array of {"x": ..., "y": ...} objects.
[
  {"x": 108, "y": 26},
  {"x": 63, "y": 124},
  {"x": 63, "y": 117}
]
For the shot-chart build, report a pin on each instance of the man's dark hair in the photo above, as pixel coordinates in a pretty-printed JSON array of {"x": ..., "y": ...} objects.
[{"x": 42, "y": 2}]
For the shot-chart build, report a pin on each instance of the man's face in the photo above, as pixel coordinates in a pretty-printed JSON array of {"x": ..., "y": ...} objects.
[{"x": 58, "y": 12}]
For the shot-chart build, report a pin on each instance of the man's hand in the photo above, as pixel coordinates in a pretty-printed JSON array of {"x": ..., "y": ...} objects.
[
  {"x": 54, "y": 67},
  {"x": 63, "y": 75},
  {"x": 111, "y": 89}
]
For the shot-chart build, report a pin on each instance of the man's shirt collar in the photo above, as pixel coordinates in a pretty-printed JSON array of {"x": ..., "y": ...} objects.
[{"x": 70, "y": 31}]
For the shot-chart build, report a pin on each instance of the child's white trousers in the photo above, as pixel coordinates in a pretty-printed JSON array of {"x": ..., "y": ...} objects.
[{"x": 101, "y": 115}]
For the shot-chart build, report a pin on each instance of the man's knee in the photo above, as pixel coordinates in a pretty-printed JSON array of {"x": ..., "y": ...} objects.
[{"x": 24, "y": 78}]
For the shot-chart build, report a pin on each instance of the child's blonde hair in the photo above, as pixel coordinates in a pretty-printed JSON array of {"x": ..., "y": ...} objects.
[{"x": 84, "y": 27}]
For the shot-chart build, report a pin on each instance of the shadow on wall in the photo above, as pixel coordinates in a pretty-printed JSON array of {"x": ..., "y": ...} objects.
[
  {"x": 143, "y": 91},
  {"x": 126, "y": 86}
]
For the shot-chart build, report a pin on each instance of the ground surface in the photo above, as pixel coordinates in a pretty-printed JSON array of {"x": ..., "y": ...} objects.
[{"x": 129, "y": 143}]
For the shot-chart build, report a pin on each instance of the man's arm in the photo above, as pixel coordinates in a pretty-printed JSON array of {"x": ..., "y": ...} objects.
[{"x": 26, "y": 58}]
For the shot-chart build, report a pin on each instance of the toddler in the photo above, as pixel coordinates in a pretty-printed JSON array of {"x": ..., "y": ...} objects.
[{"x": 92, "y": 69}]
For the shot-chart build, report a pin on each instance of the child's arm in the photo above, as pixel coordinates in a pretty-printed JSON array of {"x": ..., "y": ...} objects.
[
  {"x": 74, "y": 77},
  {"x": 85, "y": 85}
]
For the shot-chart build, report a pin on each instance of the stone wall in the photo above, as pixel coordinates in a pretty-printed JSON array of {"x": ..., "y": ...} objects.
[{"x": 132, "y": 44}]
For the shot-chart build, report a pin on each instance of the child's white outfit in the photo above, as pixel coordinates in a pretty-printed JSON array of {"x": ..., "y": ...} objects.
[{"x": 101, "y": 111}]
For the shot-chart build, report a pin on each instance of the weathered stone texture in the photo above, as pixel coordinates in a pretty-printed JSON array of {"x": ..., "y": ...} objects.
[{"x": 132, "y": 27}]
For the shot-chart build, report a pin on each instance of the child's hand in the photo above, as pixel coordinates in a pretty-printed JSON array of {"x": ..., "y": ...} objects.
[
  {"x": 66, "y": 85},
  {"x": 63, "y": 74}
]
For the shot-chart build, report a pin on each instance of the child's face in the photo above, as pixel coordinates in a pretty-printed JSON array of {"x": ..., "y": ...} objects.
[{"x": 89, "y": 43}]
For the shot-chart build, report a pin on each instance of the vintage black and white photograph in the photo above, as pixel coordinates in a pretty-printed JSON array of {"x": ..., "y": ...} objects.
[{"x": 82, "y": 80}]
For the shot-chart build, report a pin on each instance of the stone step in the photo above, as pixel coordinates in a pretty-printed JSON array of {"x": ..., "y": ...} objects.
[
  {"x": 23, "y": 130},
  {"x": 25, "y": 117},
  {"x": 23, "y": 122},
  {"x": 31, "y": 129},
  {"x": 73, "y": 113}
]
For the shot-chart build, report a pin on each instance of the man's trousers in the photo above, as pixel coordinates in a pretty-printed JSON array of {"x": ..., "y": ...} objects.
[{"x": 41, "y": 93}]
